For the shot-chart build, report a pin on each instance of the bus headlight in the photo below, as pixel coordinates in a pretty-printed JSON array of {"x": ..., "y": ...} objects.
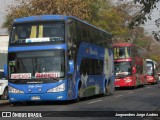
[
  {"x": 150, "y": 78},
  {"x": 59, "y": 88},
  {"x": 14, "y": 90}
]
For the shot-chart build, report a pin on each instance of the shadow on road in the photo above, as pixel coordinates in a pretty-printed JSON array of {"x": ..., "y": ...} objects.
[{"x": 41, "y": 103}]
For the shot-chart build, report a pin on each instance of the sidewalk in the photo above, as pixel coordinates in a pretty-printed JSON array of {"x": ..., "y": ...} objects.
[{"x": 4, "y": 102}]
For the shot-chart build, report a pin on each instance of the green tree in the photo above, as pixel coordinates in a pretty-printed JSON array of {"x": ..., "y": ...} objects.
[
  {"x": 97, "y": 12},
  {"x": 146, "y": 7},
  {"x": 78, "y": 8}
]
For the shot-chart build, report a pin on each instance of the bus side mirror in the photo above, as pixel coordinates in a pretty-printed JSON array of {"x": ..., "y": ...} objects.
[
  {"x": 71, "y": 67},
  {"x": 134, "y": 70}
]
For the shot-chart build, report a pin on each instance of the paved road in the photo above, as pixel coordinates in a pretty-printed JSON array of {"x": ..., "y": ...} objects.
[{"x": 140, "y": 99}]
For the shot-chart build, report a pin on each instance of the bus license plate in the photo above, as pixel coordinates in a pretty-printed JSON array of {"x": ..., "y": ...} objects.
[{"x": 35, "y": 98}]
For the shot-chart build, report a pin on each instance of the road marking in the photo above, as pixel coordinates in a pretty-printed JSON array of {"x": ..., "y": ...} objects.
[
  {"x": 118, "y": 95},
  {"x": 94, "y": 101},
  {"x": 131, "y": 92}
]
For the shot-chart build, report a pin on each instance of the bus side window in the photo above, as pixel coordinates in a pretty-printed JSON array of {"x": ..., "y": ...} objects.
[
  {"x": 99, "y": 67},
  {"x": 71, "y": 32},
  {"x": 82, "y": 67},
  {"x": 121, "y": 53}
]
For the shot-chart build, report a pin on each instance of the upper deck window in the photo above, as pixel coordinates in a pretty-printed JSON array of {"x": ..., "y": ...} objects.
[
  {"x": 38, "y": 32},
  {"x": 122, "y": 52}
]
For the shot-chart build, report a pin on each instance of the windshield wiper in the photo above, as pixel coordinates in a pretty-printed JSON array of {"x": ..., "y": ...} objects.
[
  {"x": 19, "y": 41},
  {"x": 54, "y": 78},
  {"x": 23, "y": 65}
]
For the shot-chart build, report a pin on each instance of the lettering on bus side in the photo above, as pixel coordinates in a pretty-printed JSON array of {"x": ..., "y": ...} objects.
[{"x": 91, "y": 51}]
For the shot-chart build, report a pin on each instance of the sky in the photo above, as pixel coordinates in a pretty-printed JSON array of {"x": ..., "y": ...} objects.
[{"x": 149, "y": 25}]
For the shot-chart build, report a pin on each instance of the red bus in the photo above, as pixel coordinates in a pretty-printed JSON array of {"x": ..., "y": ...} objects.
[
  {"x": 128, "y": 65},
  {"x": 151, "y": 71}
]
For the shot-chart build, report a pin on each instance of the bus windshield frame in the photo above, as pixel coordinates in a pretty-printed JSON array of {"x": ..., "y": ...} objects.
[
  {"x": 150, "y": 68},
  {"x": 37, "y": 64},
  {"x": 38, "y": 32},
  {"x": 122, "y": 68}
]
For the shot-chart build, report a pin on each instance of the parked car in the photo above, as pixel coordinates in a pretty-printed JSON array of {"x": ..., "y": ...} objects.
[{"x": 3, "y": 87}]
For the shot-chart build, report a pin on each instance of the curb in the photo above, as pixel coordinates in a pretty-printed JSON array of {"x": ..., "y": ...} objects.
[{"x": 4, "y": 102}]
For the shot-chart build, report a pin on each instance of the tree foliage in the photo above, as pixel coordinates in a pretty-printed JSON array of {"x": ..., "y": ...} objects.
[
  {"x": 146, "y": 7},
  {"x": 97, "y": 12},
  {"x": 100, "y": 13},
  {"x": 78, "y": 8}
]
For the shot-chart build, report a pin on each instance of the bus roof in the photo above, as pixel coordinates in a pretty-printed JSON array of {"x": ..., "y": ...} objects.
[
  {"x": 149, "y": 60},
  {"x": 127, "y": 44},
  {"x": 122, "y": 44},
  {"x": 40, "y": 18},
  {"x": 50, "y": 18}
]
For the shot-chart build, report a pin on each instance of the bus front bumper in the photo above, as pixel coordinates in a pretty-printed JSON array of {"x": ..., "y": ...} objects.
[
  {"x": 123, "y": 82},
  {"x": 150, "y": 79},
  {"x": 58, "y": 96}
]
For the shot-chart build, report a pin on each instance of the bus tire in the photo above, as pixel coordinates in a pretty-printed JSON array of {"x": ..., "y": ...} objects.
[
  {"x": 105, "y": 89},
  {"x": 12, "y": 104},
  {"x": 152, "y": 83},
  {"x": 78, "y": 94},
  {"x": 109, "y": 88},
  {"x": 156, "y": 82},
  {"x": 143, "y": 84},
  {"x": 5, "y": 94}
]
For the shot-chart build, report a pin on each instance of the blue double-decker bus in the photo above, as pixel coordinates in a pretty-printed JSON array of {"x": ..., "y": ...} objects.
[{"x": 57, "y": 58}]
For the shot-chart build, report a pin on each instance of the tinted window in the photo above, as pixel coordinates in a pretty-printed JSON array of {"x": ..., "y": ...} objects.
[
  {"x": 37, "y": 63},
  {"x": 38, "y": 32},
  {"x": 91, "y": 66},
  {"x": 122, "y": 68}
]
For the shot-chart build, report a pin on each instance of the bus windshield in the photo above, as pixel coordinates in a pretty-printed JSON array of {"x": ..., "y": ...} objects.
[
  {"x": 38, "y": 32},
  {"x": 121, "y": 52},
  {"x": 122, "y": 68},
  {"x": 37, "y": 64},
  {"x": 149, "y": 68}
]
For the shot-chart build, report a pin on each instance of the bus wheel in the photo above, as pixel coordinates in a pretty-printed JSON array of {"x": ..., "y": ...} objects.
[
  {"x": 156, "y": 82},
  {"x": 12, "y": 104},
  {"x": 5, "y": 94},
  {"x": 105, "y": 90},
  {"x": 143, "y": 84},
  {"x": 152, "y": 83},
  {"x": 78, "y": 94},
  {"x": 109, "y": 88}
]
